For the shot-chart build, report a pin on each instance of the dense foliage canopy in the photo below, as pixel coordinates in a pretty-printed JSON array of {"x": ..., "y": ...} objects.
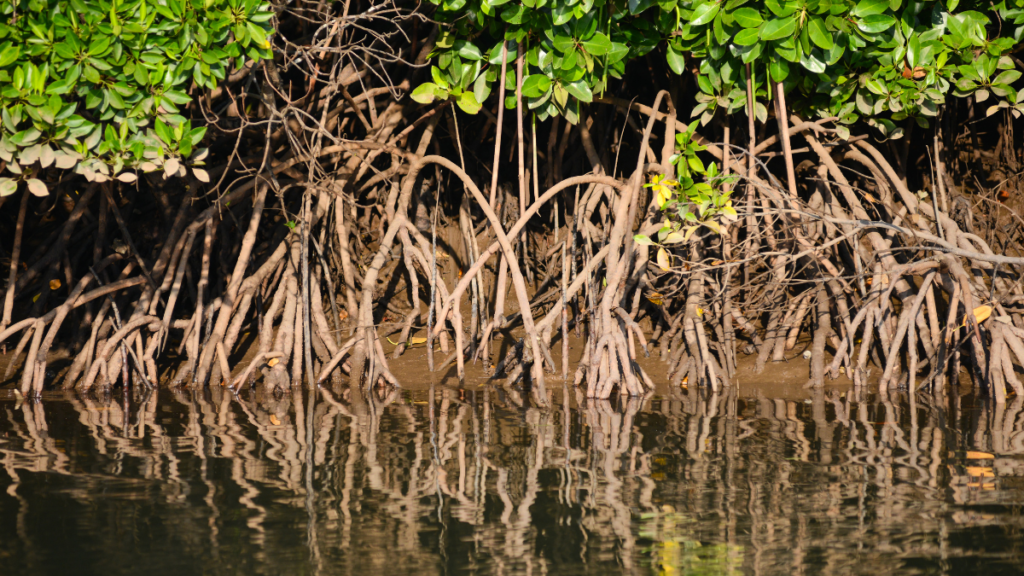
[
  {"x": 99, "y": 85},
  {"x": 881, "y": 60}
]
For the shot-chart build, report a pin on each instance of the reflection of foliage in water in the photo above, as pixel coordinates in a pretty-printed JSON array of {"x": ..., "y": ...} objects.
[{"x": 674, "y": 551}]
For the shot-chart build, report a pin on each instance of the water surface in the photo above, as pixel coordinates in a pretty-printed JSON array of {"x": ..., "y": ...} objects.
[{"x": 445, "y": 481}]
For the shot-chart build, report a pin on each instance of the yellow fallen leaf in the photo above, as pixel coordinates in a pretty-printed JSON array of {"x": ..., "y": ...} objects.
[
  {"x": 274, "y": 420},
  {"x": 36, "y": 297},
  {"x": 971, "y": 455},
  {"x": 981, "y": 313},
  {"x": 700, "y": 311},
  {"x": 655, "y": 298},
  {"x": 54, "y": 284},
  {"x": 272, "y": 362}
]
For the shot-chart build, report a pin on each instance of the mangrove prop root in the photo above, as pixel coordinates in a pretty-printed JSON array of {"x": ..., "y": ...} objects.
[{"x": 338, "y": 227}]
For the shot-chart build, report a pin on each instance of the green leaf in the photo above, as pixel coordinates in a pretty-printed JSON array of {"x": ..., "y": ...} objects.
[
  {"x": 779, "y": 69},
  {"x": 813, "y": 62},
  {"x": 561, "y": 13},
  {"x": 704, "y": 13},
  {"x": 748, "y": 17},
  {"x": 467, "y": 101},
  {"x": 468, "y": 51},
  {"x": 26, "y": 137},
  {"x": 599, "y": 45},
  {"x": 643, "y": 240},
  {"x": 515, "y": 14},
  {"x": 564, "y": 44},
  {"x": 780, "y": 10},
  {"x": 195, "y": 136},
  {"x": 9, "y": 54},
  {"x": 1007, "y": 77},
  {"x": 439, "y": 77},
  {"x": 177, "y": 96},
  {"x": 259, "y": 37},
  {"x": 914, "y": 51},
  {"x": 869, "y": 8},
  {"x": 8, "y": 186},
  {"x": 876, "y": 23},
  {"x": 99, "y": 45},
  {"x": 481, "y": 88},
  {"x": 819, "y": 33},
  {"x": 163, "y": 131},
  {"x": 536, "y": 85},
  {"x": 747, "y": 37},
  {"x": 581, "y": 90},
  {"x": 676, "y": 61},
  {"x": 424, "y": 93},
  {"x": 617, "y": 52},
  {"x": 778, "y": 28}
]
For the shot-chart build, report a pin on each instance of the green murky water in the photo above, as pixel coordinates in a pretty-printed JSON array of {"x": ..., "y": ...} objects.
[{"x": 443, "y": 482}]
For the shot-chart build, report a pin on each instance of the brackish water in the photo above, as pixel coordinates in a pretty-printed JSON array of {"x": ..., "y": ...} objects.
[{"x": 448, "y": 482}]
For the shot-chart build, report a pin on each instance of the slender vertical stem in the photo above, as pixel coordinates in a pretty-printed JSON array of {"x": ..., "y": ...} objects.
[
  {"x": 783, "y": 117},
  {"x": 565, "y": 316},
  {"x": 574, "y": 231},
  {"x": 306, "y": 332},
  {"x": 204, "y": 283},
  {"x": 124, "y": 390},
  {"x": 501, "y": 115},
  {"x": 15, "y": 256},
  {"x": 433, "y": 288},
  {"x": 500, "y": 290},
  {"x": 524, "y": 194},
  {"x": 940, "y": 190},
  {"x": 536, "y": 178},
  {"x": 727, "y": 142},
  {"x": 519, "y": 129},
  {"x": 751, "y": 165},
  {"x": 458, "y": 139}
]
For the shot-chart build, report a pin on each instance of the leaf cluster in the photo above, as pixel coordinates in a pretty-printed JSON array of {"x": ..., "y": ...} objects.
[
  {"x": 878, "y": 61},
  {"x": 99, "y": 85},
  {"x": 700, "y": 197}
]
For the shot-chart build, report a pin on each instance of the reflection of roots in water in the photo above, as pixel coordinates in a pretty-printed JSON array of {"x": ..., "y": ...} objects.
[{"x": 386, "y": 467}]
